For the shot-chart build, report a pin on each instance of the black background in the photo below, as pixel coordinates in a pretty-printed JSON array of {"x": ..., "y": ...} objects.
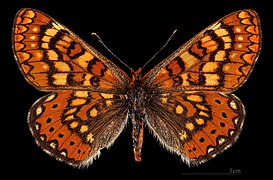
[{"x": 134, "y": 31}]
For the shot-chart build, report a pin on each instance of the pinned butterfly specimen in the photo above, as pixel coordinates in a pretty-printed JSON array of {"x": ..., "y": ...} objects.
[{"x": 186, "y": 101}]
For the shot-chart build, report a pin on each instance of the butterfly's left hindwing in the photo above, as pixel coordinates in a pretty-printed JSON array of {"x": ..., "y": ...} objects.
[{"x": 74, "y": 126}]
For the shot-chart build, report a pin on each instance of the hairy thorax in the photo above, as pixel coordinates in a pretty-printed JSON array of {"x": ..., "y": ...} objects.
[{"x": 136, "y": 97}]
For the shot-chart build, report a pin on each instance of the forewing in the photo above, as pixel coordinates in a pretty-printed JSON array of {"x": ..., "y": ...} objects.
[
  {"x": 196, "y": 125},
  {"x": 220, "y": 58},
  {"x": 52, "y": 57},
  {"x": 73, "y": 126}
]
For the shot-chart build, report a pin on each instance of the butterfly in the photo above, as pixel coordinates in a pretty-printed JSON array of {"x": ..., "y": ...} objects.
[{"x": 186, "y": 101}]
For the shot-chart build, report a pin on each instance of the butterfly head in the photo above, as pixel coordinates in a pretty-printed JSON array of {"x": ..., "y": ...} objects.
[
  {"x": 136, "y": 84},
  {"x": 136, "y": 75}
]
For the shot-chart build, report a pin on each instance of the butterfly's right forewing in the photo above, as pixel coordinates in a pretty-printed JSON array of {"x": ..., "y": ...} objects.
[{"x": 219, "y": 58}]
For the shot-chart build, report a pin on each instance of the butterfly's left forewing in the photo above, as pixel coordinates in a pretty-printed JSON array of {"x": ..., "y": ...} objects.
[
  {"x": 51, "y": 57},
  {"x": 194, "y": 113}
]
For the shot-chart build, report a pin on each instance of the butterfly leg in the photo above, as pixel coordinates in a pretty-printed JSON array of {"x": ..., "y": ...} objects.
[{"x": 137, "y": 135}]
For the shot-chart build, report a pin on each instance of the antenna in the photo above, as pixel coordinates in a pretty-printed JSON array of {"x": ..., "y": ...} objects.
[
  {"x": 166, "y": 43},
  {"x": 100, "y": 40}
]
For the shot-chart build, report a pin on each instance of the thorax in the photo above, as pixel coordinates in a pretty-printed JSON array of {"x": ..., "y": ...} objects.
[{"x": 136, "y": 95}]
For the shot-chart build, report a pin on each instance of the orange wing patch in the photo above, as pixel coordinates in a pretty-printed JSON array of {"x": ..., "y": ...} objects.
[{"x": 223, "y": 127}]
